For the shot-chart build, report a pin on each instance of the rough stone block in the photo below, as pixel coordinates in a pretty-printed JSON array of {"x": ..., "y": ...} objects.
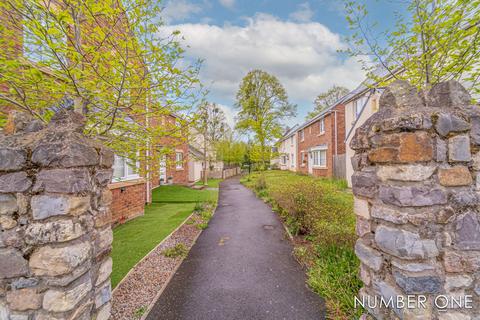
[
  {"x": 106, "y": 157},
  {"x": 44, "y": 206},
  {"x": 12, "y": 264},
  {"x": 441, "y": 150},
  {"x": 58, "y": 300},
  {"x": 383, "y": 155},
  {"x": 24, "y": 299},
  {"x": 464, "y": 262},
  {"x": 389, "y": 214},
  {"x": 412, "y": 196},
  {"x": 453, "y": 315},
  {"x": 104, "y": 312},
  {"x": 415, "y": 284},
  {"x": 7, "y": 222},
  {"x": 103, "y": 295},
  {"x": 103, "y": 240},
  {"x": 63, "y": 181},
  {"x": 404, "y": 244},
  {"x": 362, "y": 227},
  {"x": 449, "y": 94},
  {"x": 414, "y": 266},
  {"x": 104, "y": 271},
  {"x": 103, "y": 177},
  {"x": 12, "y": 159},
  {"x": 415, "y": 147},
  {"x": 457, "y": 282},
  {"x": 408, "y": 172},
  {"x": 22, "y": 283},
  {"x": 388, "y": 291},
  {"x": 400, "y": 95},
  {"x": 464, "y": 199},
  {"x": 14, "y": 182},
  {"x": 54, "y": 231},
  {"x": 455, "y": 176},
  {"x": 54, "y": 261},
  {"x": 475, "y": 132},
  {"x": 447, "y": 123},
  {"x": 361, "y": 207},
  {"x": 364, "y": 184},
  {"x": 459, "y": 149},
  {"x": 8, "y": 204},
  {"x": 65, "y": 154},
  {"x": 467, "y": 231},
  {"x": 368, "y": 256}
]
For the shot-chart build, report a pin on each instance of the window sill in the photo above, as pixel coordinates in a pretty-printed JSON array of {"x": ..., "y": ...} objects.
[
  {"x": 125, "y": 183},
  {"x": 321, "y": 134},
  {"x": 179, "y": 169},
  {"x": 319, "y": 167}
]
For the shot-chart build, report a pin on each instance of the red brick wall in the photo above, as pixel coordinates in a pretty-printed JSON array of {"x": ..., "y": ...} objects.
[
  {"x": 312, "y": 138},
  {"x": 128, "y": 200}
]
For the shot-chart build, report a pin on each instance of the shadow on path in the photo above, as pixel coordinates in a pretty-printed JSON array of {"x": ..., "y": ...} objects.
[{"x": 240, "y": 268}]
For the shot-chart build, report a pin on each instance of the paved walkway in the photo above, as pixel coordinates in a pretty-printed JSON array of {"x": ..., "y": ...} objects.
[{"x": 240, "y": 268}]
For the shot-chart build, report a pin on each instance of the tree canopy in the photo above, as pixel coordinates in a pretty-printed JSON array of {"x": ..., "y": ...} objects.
[
  {"x": 326, "y": 99},
  {"x": 104, "y": 58},
  {"x": 262, "y": 104},
  {"x": 434, "y": 41}
]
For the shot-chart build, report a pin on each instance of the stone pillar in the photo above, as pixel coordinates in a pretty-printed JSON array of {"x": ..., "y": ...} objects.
[
  {"x": 55, "y": 234},
  {"x": 416, "y": 183}
]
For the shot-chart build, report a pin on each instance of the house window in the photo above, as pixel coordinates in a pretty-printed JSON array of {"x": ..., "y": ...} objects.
[
  {"x": 124, "y": 169},
  {"x": 292, "y": 162},
  {"x": 302, "y": 159},
  {"x": 179, "y": 160},
  {"x": 358, "y": 107},
  {"x": 291, "y": 140},
  {"x": 319, "y": 158},
  {"x": 322, "y": 125},
  {"x": 302, "y": 138},
  {"x": 284, "y": 159}
]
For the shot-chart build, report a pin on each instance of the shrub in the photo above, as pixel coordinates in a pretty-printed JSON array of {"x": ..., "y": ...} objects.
[
  {"x": 202, "y": 226},
  {"x": 180, "y": 250},
  {"x": 261, "y": 183}
]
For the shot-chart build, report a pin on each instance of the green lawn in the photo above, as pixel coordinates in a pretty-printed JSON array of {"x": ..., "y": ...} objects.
[
  {"x": 134, "y": 239},
  {"x": 212, "y": 183}
]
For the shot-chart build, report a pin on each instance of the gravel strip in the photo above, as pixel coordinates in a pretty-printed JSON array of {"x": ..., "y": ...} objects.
[{"x": 135, "y": 293}]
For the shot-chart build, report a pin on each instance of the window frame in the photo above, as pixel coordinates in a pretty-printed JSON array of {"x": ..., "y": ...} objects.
[
  {"x": 302, "y": 135},
  {"x": 321, "y": 126},
  {"x": 179, "y": 163},
  {"x": 317, "y": 158},
  {"x": 126, "y": 176}
]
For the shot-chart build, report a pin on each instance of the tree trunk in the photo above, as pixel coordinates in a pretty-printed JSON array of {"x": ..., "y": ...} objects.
[{"x": 205, "y": 164}]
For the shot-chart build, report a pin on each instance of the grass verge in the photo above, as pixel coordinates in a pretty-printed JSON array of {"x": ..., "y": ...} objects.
[
  {"x": 136, "y": 238},
  {"x": 212, "y": 183},
  {"x": 319, "y": 213}
]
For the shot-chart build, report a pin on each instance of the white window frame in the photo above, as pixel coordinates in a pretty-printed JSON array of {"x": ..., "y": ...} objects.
[
  {"x": 302, "y": 157},
  {"x": 321, "y": 125},
  {"x": 178, "y": 163},
  {"x": 126, "y": 175},
  {"x": 316, "y": 155},
  {"x": 284, "y": 159},
  {"x": 302, "y": 135},
  {"x": 292, "y": 160}
]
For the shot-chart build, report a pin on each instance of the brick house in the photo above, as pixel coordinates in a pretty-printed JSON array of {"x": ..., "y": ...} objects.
[
  {"x": 321, "y": 143},
  {"x": 287, "y": 150},
  {"x": 130, "y": 189}
]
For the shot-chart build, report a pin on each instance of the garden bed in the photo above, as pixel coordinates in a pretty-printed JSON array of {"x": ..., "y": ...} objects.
[{"x": 136, "y": 294}]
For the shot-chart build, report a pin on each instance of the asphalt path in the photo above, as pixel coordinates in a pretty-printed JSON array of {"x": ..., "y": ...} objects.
[{"x": 241, "y": 267}]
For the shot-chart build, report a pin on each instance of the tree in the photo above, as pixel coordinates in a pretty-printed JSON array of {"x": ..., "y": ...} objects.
[
  {"x": 106, "y": 59},
  {"x": 262, "y": 103},
  {"x": 435, "y": 41},
  {"x": 212, "y": 126},
  {"x": 231, "y": 151},
  {"x": 326, "y": 99}
]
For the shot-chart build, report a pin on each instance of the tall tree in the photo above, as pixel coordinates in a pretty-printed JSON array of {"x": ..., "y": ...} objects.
[
  {"x": 434, "y": 41},
  {"x": 212, "y": 126},
  {"x": 262, "y": 103},
  {"x": 326, "y": 99},
  {"x": 105, "y": 58}
]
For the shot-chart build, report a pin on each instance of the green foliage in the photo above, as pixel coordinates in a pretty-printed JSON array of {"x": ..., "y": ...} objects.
[
  {"x": 111, "y": 62},
  {"x": 261, "y": 183},
  {"x": 320, "y": 211},
  {"x": 140, "y": 312},
  {"x": 434, "y": 41},
  {"x": 180, "y": 250},
  {"x": 202, "y": 226},
  {"x": 262, "y": 103},
  {"x": 326, "y": 99},
  {"x": 231, "y": 152}
]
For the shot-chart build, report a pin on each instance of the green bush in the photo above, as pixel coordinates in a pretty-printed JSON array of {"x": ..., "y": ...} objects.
[
  {"x": 180, "y": 250},
  {"x": 261, "y": 183}
]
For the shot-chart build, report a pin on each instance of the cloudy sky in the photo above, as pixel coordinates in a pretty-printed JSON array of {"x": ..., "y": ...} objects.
[{"x": 296, "y": 41}]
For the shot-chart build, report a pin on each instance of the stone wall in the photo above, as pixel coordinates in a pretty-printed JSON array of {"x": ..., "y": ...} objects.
[
  {"x": 416, "y": 183},
  {"x": 55, "y": 235}
]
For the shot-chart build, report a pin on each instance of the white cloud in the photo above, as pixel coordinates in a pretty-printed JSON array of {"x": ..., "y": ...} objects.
[
  {"x": 303, "y": 14},
  {"x": 230, "y": 114},
  {"x": 179, "y": 10},
  {"x": 227, "y": 3},
  {"x": 302, "y": 55}
]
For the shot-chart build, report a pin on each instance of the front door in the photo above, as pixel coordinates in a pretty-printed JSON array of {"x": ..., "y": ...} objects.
[{"x": 163, "y": 169}]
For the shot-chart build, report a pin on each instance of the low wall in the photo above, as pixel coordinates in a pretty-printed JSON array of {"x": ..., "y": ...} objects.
[
  {"x": 223, "y": 174},
  {"x": 128, "y": 200}
]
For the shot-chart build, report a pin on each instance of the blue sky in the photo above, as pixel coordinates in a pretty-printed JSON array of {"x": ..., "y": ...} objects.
[{"x": 297, "y": 41}]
